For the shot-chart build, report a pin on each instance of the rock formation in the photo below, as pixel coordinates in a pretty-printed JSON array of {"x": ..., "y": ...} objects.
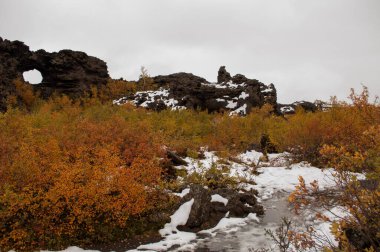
[
  {"x": 73, "y": 73},
  {"x": 237, "y": 94},
  {"x": 291, "y": 108},
  {"x": 66, "y": 71},
  {"x": 206, "y": 214}
]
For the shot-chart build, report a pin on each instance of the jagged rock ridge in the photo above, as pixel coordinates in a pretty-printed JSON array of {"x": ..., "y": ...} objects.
[{"x": 237, "y": 94}]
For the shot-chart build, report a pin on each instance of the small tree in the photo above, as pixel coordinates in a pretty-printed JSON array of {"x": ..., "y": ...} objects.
[{"x": 146, "y": 82}]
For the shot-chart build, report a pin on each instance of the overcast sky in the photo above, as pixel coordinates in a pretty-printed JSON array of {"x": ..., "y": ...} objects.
[{"x": 308, "y": 49}]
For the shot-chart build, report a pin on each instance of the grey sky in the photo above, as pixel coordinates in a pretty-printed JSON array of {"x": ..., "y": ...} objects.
[{"x": 308, "y": 49}]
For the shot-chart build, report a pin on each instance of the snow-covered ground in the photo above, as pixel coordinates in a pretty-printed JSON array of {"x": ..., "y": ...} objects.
[{"x": 277, "y": 178}]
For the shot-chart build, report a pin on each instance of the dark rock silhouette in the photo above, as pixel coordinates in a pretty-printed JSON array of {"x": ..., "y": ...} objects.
[
  {"x": 237, "y": 94},
  {"x": 223, "y": 75},
  {"x": 66, "y": 71}
]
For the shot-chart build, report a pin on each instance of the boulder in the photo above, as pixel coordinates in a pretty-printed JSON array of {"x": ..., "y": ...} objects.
[
  {"x": 240, "y": 204},
  {"x": 205, "y": 214},
  {"x": 200, "y": 211}
]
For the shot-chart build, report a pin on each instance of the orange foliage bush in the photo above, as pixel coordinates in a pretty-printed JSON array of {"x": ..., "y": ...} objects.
[
  {"x": 116, "y": 89},
  {"x": 68, "y": 173},
  {"x": 24, "y": 95}
]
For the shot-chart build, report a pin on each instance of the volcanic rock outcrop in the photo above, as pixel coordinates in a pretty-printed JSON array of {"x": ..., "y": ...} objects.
[
  {"x": 237, "y": 94},
  {"x": 291, "y": 108},
  {"x": 66, "y": 71},
  {"x": 74, "y": 73}
]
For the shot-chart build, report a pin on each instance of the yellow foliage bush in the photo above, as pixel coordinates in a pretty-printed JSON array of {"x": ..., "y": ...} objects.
[{"x": 354, "y": 146}]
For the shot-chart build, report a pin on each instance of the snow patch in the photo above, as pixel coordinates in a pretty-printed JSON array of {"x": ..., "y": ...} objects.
[
  {"x": 229, "y": 225},
  {"x": 243, "y": 95},
  {"x": 286, "y": 109},
  {"x": 170, "y": 232},
  {"x": 267, "y": 90},
  {"x": 274, "y": 179},
  {"x": 183, "y": 193},
  {"x": 231, "y": 105},
  {"x": 251, "y": 157},
  {"x": 219, "y": 198},
  {"x": 149, "y": 97},
  {"x": 240, "y": 111},
  {"x": 229, "y": 84}
]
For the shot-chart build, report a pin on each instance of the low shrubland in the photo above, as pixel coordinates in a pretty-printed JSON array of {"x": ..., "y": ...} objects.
[{"x": 78, "y": 171}]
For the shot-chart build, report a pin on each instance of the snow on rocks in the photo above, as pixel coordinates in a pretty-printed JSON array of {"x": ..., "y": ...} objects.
[
  {"x": 146, "y": 99},
  {"x": 183, "y": 193},
  {"x": 224, "y": 85},
  {"x": 218, "y": 198},
  {"x": 172, "y": 236},
  {"x": 243, "y": 95},
  {"x": 267, "y": 89},
  {"x": 231, "y": 104},
  {"x": 180, "y": 217},
  {"x": 237, "y": 94},
  {"x": 228, "y": 224},
  {"x": 287, "y": 110},
  {"x": 240, "y": 111}
]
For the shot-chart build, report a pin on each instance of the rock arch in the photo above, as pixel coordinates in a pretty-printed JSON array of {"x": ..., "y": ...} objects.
[
  {"x": 69, "y": 72},
  {"x": 34, "y": 76}
]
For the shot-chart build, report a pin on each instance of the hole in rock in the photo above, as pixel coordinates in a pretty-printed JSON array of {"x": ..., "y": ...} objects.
[{"x": 33, "y": 76}]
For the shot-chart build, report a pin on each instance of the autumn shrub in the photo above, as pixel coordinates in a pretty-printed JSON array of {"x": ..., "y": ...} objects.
[
  {"x": 24, "y": 95},
  {"x": 115, "y": 89},
  {"x": 214, "y": 178},
  {"x": 68, "y": 173},
  {"x": 353, "y": 148}
]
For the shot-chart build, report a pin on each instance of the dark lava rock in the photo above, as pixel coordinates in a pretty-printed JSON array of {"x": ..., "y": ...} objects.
[
  {"x": 205, "y": 214},
  {"x": 360, "y": 241},
  {"x": 223, "y": 75},
  {"x": 240, "y": 204},
  {"x": 237, "y": 94},
  {"x": 291, "y": 108},
  {"x": 200, "y": 211},
  {"x": 66, "y": 71}
]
